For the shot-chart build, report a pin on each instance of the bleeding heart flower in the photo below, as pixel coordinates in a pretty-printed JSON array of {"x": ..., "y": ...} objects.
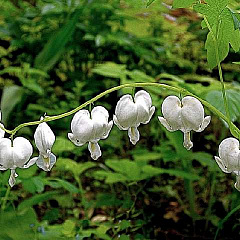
[
  {"x": 44, "y": 140},
  {"x": 129, "y": 113},
  {"x": 185, "y": 115},
  {"x": 14, "y": 155},
  {"x": 229, "y": 158},
  {"x": 91, "y": 129}
]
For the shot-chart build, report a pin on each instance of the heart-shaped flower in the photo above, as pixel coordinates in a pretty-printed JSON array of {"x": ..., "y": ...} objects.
[
  {"x": 229, "y": 158},
  {"x": 44, "y": 139},
  {"x": 185, "y": 115},
  {"x": 14, "y": 155},
  {"x": 129, "y": 113},
  {"x": 91, "y": 129}
]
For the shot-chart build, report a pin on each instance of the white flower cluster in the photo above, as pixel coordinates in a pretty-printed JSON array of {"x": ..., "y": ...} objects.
[{"x": 86, "y": 127}]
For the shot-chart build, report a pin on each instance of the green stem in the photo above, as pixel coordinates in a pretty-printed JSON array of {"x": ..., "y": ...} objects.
[
  {"x": 211, "y": 199},
  {"x": 5, "y": 198},
  {"x": 235, "y": 130},
  {"x": 226, "y": 107}
]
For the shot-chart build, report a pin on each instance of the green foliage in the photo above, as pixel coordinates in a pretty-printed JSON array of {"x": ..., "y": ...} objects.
[
  {"x": 223, "y": 31},
  {"x": 183, "y": 3},
  {"x": 55, "y": 55}
]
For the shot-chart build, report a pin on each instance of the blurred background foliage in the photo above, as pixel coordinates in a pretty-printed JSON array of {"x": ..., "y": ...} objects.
[{"x": 57, "y": 54}]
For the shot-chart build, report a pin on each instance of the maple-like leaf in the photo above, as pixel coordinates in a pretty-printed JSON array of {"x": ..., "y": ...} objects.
[{"x": 223, "y": 30}]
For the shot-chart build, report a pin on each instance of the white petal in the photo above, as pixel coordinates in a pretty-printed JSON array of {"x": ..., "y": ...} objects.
[
  {"x": 205, "y": 123},
  {"x": 107, "y": 130},
  {"x": 115, "y": 120},
  {"x": 134, "y": 135},
  {"x": 143, "y": 102},
  {"x": 164, "y": 122},
  {"x": 2, "y": 168},
  {"x": 126, "y": 112},
  {"x": 12, "y": 178},
  {"x": 30, "y": 163},
  {"x": 192, "y": 113},
  {"x": 142, "y": 95},
  {"x": 44, "y": 138},
  {"x": 237, "y": 183},
  {"x": 46, "y": 163},
  {"x": 230, "y": 154},
  {"x": 187, "y": 143},
  {"x": 171, "y": 110},
  {"x": 99, "y": 110},
  {"x": 2, "y": 132},
  {"x": 82, "y": 128},
  {"x": 221, "y": 164},
  {"x": 22, "y": 151},
  {"x": 100, "y": 122},
  {"x": 95, "y": 150},
  {"x": 6, "y": 153}
]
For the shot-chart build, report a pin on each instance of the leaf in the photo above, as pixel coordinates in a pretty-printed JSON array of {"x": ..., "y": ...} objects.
[
  {"x": 223, "y": 30},
  {"x": 61, "y": 145},
  {"x": 110, "y": 177},
  {"x": 128, "y": 168},
  {"x": 183, "y": 3},
  {"x": 11, "y": 96},
  {"x": 152, "y": 171},
  {"x": 110, "y": 69},
  {"x": 150, "y": 2},
  {"x": 36, "y": 200},
  {"x": 56, "y": 44},
  {"x": 233, "y": 97},
  {"x": 18, "y": 224},
  {"x": 67, "y": 185}
]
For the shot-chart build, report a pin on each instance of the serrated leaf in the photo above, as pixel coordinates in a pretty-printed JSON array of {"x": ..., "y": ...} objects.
[
  {"x": 183, "y": 3},
  {"x": 223, "y": 32}
]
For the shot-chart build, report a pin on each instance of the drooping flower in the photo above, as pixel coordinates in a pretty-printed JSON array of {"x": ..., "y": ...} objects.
[
  {"x": 129, "y": 113},
  {"x": 91, "y": 129},
  {"x": 44, "y": 139},
  {"x": 14, "y": 155},
  {"x": 229, "y": 158},
  {"x": 185, "y": 115}
]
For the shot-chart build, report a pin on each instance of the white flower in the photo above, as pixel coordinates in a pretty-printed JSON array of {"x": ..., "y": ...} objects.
[
  {"x": 91, "y": 129},
  {"x": 44, "y": 139},
  {"x": 129, "y": 113},
  {"x": 14, "y": 154},
  {"x": 185, "y": 116},
  {"x": 229, "y": 158},
  {"x": 2, "y": 132}
]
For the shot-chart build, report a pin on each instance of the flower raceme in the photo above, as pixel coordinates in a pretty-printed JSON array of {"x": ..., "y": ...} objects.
[
  {"x": 185, "y": 115},
  {"x": 229, "y": 158},
  {"x": 130, "y": 113},
  {"x": 14, "y": 155},
  {"x": 90, "y": 128}
]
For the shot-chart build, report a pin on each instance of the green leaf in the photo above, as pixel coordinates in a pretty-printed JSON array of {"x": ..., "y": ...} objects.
[
  {"x": 17, "y": 224},
  {"x": 183, "y": 3},
  {"x": 61, "y": 145},
  {"x": 56, "y": 44},
  {"x": 11, "y": 96},
  {"x": 233, "y": 97},
  {"x": 67, "y": 185},
  {"x": 149, "y": 2},
  {"x": 36, "y": 200},
  {"x": 152, "y": 171},
  {"x": 223, "y": 30},
  {"x": 110, "y": 177},
  {"x": 128, "y": 168},
  {"x": 110, "y": 69}
]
